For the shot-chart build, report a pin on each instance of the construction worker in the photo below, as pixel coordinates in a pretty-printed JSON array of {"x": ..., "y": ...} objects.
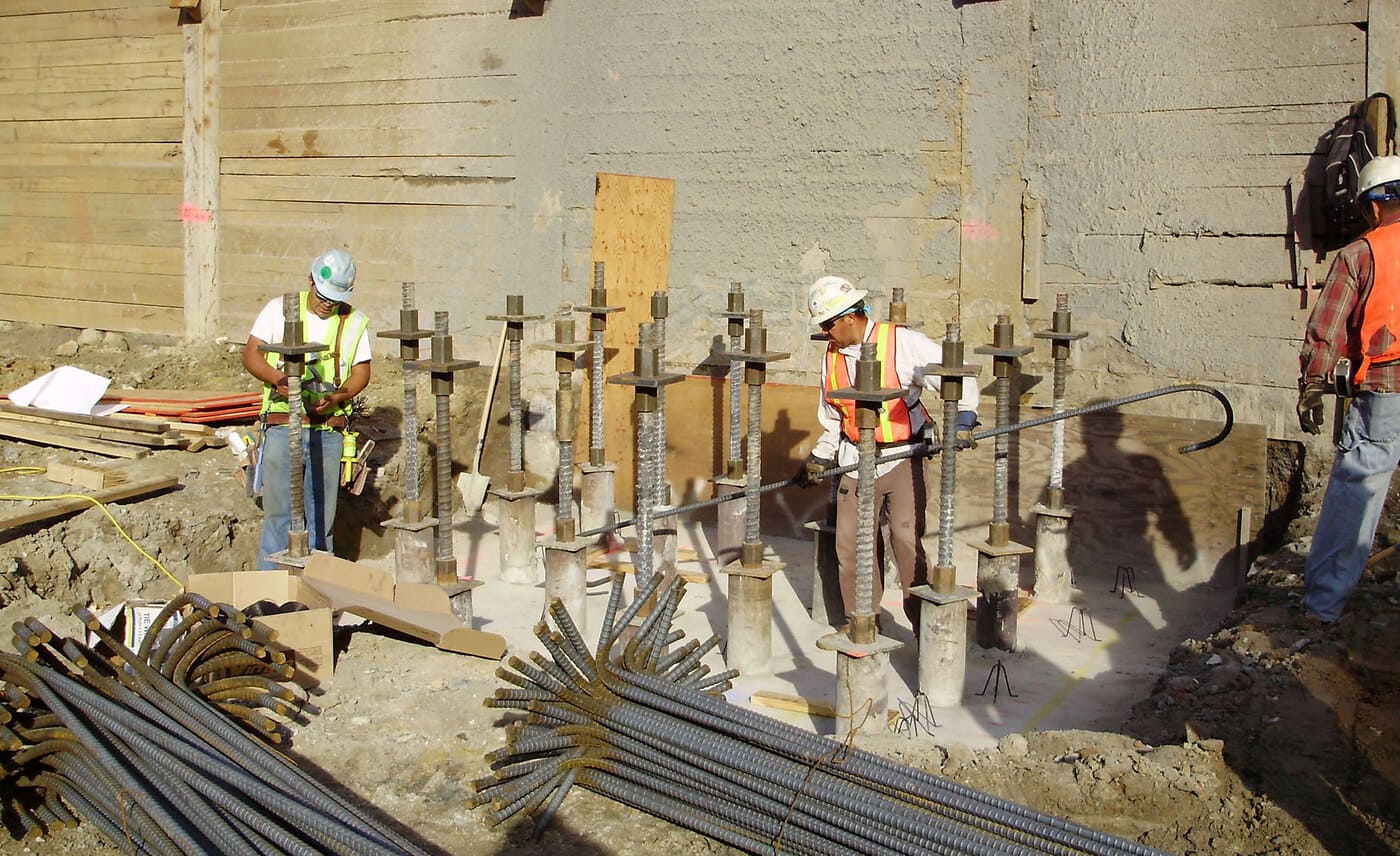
[
  {"x": 330, "y": 382},
  {"x": 839, "y": 310},
  {"x": 1357, "y": 317}
]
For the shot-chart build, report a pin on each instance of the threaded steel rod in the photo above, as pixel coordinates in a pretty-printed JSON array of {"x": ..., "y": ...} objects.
[
  {"x": 411, "y": 464},
  {"x": 646, "y": 478},
  {"x": 1057, "y": 402},
  {"x": 517, "y": 436},
  {"x": 442, "y": 427},
  {"x": 947, "y": 485},
  {"x": 865, "y": 524},
  {"x": 1001, "y": 461},
  {"x": 753, "y": 464}
]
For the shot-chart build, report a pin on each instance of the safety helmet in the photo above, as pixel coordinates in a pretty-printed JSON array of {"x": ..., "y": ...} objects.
[
  {"x": 830, "y": 296},
  {"x": 333, "y": 274},
  {"x": 1379, "y": 179}
]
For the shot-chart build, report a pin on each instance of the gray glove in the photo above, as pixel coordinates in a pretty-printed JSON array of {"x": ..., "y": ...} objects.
[{"x": 1310, "y": 406}]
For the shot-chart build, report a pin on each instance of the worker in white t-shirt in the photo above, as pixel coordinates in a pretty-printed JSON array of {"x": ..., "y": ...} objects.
[{"x": 330, "y": 381}]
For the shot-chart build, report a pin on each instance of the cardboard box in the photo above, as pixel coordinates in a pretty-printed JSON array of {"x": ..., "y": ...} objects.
[
  {"x": 129, "y": 621},
  {"x": 304, "y": 636}
]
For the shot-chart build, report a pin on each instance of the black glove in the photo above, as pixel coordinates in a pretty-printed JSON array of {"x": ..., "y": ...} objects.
[
  {"x": 812, "y": 469},
  {"x": 1310, "y": 406}
]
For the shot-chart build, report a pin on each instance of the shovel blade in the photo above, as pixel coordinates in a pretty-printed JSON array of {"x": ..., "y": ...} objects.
[{"x": 473, "y": 488}]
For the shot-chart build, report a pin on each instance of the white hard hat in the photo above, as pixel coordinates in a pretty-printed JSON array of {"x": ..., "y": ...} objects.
[
  {"x": 830, "y": 296},
  {"x": 333, "y": 274},
  {"x": 1379, "y": 179}
]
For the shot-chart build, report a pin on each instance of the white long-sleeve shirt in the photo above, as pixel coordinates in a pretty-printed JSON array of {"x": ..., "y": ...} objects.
[{"x": 913, "y": 354}]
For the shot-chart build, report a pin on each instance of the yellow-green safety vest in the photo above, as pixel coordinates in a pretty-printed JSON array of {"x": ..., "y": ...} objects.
[{"x": 332, "y": 364}]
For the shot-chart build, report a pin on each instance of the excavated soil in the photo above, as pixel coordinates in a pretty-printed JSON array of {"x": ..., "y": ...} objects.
[{"x": 1259, "y": 739}]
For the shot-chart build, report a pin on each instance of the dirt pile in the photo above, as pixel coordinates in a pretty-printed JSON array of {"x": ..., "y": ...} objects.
[{"x": 1259, "y": 739}]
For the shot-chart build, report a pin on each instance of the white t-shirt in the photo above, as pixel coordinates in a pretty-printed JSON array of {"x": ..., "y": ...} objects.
[{"x": 269, "y": 324}]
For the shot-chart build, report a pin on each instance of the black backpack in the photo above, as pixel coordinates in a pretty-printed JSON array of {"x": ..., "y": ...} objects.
[{"x": 1366, "y": 131}]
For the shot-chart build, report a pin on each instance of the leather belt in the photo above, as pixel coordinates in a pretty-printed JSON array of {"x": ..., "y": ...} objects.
[{"x": 337, "y": 422}]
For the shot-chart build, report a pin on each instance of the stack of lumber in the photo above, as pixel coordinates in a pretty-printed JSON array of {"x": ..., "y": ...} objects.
[
  {"x": 120, "y": 435},
  {"x": 198, "y": 406}
]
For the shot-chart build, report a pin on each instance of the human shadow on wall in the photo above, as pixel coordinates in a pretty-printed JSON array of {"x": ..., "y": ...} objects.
[{"x": 1121, "y": 498}]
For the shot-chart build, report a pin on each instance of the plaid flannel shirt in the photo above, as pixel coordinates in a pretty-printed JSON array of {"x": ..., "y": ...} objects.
[{"x": 1334, "y": 328}]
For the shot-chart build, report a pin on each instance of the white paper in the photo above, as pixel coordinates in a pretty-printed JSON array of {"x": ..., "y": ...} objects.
[{"x": 65, "y": 389}]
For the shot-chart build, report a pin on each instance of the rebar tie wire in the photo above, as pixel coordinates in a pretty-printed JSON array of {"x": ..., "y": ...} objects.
[{"x": 928, "y": 448}]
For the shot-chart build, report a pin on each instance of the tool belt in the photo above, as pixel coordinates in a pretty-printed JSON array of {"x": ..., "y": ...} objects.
[{"x": 307, "y": 420}]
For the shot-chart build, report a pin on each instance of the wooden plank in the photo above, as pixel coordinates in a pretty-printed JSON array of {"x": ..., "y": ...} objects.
[
  {"x": 394, "y": 190},
  {"x": 462, "y": 166},
  {"x": 793, "y": 704},
  {"x": 101, "y": 54},
  {"x": 95, "y": 432},
  {"x": 131, "y": 259},
  {"x": 100, "y": 207},
  {"x": 104, "y": 155},
  {"x": 137, "y": 104},
  {"x": 90, "y": 476},
  {"x": 394, "y": 64},
  {"x": 144, "y": 289},
  {"x": 115, "y": 420},
  {"x": 101, "y": 316},
  {"x": 632, "y": 238},
  {"x": 138, "y": 20},
  {"x": 59, "y": 508},
  {"x": 273, "y": 14},
  {"x": 297, "y": 140},
  {"x": 15, "y": 8},
  {"x": 50, "y": 437},
  {"x": 482, "y": 89},
  {"x": 163, "y": 179},
  {"x": 58, "y": 81},
  {"x": 201, "y": 94},
  {"x": 95, "y": 130},
  {"x": 135, "y": 233}
]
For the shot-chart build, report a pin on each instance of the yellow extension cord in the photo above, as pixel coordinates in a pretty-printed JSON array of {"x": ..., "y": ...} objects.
[{"x": 95, "y": 502}]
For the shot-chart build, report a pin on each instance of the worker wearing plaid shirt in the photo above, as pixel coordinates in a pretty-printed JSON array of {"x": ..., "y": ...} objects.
[{"x": 1354, "y": 316}]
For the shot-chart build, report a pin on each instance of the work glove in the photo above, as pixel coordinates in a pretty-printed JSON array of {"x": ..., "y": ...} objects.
[
  {"x": 1310, "y": 406},
  {"x": 967, "y": 420},
  {"x": 811, "y": 471}
]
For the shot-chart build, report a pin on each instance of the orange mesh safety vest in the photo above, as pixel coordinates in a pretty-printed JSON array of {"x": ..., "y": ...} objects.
[
  {"x": 1380, "y": 316},
  {"x": 894, "y": 414}
]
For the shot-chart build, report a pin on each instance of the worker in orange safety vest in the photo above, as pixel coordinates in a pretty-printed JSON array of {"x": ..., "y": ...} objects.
[{"x": 838, "y": 308}]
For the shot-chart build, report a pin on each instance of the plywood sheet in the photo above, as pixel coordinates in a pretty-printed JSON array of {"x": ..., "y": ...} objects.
[
  {"x": 1139, "y": 502},
  {"x": 632, "y": 238}
]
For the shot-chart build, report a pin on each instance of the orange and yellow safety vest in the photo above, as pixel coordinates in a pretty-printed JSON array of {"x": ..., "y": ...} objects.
[{"x": 895, "y": 425}]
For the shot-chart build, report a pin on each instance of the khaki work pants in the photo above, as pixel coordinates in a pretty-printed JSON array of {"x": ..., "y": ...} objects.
[{"x": 899, "y": 501}]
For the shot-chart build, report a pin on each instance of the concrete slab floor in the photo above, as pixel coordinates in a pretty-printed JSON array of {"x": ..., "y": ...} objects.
[{"x": 1080, "y": 665}]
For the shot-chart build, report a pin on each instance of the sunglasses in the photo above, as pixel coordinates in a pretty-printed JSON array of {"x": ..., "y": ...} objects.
[
  {"x": 831, "y": 322},
  {"x": 325, "y": 301}
]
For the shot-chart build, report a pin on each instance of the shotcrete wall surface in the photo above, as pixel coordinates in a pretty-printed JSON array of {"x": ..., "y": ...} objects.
[{"x": 895, "y": 144}]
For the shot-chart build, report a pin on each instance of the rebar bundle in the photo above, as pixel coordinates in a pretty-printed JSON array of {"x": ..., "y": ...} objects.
[
  {"x": 141, "y": 744},
  {"x": 650, "y": 729}
]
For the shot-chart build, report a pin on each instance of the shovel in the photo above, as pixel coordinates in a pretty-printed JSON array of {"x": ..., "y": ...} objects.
[{"x": 473, "y": 484}]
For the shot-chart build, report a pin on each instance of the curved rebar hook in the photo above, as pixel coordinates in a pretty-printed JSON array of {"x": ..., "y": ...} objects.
[{"x": 1120, "y": 402}]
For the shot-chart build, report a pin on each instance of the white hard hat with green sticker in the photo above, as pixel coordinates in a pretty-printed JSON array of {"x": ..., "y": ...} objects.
[{"x": 333, "y": 274}]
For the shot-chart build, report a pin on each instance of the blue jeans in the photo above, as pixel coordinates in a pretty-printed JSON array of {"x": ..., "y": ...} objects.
[
  {"x": 1367, "y": 453},
  {"x": 320, "y": 489}
]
